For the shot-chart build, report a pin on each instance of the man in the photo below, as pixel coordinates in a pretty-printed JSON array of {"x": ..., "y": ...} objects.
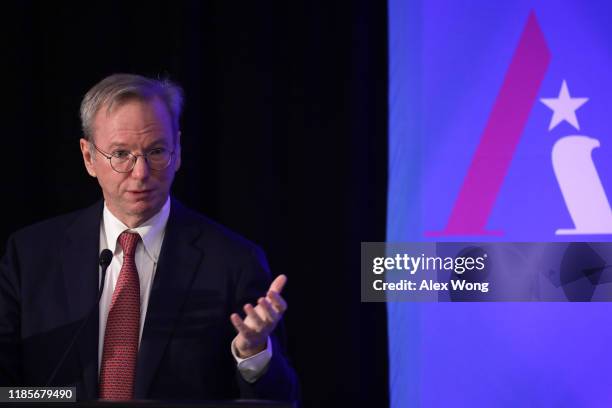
[{"x": 163, "y": 326}]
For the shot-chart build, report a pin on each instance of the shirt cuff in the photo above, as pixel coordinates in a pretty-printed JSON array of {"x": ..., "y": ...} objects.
[{"x": 253, "y": 367}]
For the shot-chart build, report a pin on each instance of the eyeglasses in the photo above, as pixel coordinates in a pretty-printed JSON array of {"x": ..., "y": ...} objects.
[{"x": 123, "y": 161}]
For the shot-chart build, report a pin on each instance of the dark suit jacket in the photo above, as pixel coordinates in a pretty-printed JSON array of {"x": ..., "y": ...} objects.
[{"x": 49, "y": 283}]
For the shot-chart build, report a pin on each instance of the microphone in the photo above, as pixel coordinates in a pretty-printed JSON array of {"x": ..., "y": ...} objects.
[{"x": 106, "y": 256}]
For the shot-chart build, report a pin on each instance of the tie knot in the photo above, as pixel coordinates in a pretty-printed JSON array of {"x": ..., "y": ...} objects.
[{"x": 128, "y": 241}]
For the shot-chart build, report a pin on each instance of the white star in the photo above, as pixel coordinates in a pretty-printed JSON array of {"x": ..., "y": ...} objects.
[{"x": 564, "y": 107}]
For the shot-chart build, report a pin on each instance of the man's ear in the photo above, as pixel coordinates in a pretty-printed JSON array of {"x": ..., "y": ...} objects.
[
  {"x": 177, "y": 152},
  {"x": 87, "y": 157}
]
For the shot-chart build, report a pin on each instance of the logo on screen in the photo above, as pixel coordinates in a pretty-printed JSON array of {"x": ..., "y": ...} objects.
[
  {"x": 576, "y": 174},
  {"x": 575, "y": 171}
]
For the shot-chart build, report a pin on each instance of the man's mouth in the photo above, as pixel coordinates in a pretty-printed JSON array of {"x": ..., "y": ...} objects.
[{"x": 140, "y": 192}]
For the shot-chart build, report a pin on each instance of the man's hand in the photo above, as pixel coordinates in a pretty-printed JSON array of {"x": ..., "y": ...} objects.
[{"x": 260, "y": 320}]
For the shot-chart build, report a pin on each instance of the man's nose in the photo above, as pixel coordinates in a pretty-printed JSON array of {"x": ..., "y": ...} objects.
[{"x": 141, "y": 168}]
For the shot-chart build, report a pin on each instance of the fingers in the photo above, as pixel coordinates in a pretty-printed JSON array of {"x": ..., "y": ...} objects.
[
  {"x": 277, "y": 301},
  {"x": 278, "y": 284},
  {"x": 239, "y": 323},
  {"x": 263, "y": 318},
  {"x": 273, "y": 295},
  {"x": 246, "y": 337},
  {"x": 258, "y": 321},
  {"x": 269, "y": 313}
]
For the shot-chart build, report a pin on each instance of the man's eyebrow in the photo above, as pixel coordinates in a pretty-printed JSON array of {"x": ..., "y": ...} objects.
[
  {"x": 159, "y": 142},
  {"x": 115, "y": 145},
  {"x": 153, "y": 144}
]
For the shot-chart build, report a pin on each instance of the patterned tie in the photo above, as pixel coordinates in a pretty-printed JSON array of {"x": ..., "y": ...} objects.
[{"x": 118, "y": 366}]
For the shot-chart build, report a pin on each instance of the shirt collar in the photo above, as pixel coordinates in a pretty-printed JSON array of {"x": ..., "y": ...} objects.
[{"x": 151, "y": 231}]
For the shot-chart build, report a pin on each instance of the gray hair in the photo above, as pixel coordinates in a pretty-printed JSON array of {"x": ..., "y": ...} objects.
[{"x": 118, "y": 88}]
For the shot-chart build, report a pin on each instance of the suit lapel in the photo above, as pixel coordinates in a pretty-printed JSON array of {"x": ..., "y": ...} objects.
[
  {"x": 79, "y": 260},
  {"x": 179, "y": 259}
]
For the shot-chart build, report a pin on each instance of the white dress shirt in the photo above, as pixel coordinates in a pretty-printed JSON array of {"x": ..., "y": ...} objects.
[{"x": 146, "y": 257}]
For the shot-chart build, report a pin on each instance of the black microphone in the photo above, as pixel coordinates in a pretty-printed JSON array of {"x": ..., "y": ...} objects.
[{"x": 106, "y": 256}]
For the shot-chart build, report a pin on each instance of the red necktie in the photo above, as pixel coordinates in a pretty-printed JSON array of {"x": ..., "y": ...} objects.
[{"x": 118, "y": 367}]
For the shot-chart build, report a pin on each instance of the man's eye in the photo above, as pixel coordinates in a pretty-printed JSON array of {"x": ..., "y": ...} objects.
[
  {"x": 156, "y": 152},
  {"x": 121, "y": 154}
]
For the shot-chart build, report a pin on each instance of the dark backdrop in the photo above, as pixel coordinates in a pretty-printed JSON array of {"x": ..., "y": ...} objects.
[{"x": 284, "y": 140}]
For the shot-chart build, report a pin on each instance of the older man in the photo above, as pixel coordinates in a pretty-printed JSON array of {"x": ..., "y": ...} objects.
[{"x": 166, "y": 325}]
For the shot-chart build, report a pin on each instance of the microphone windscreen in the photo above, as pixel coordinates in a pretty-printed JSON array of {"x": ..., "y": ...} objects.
[{"x": 106, "y": 256}]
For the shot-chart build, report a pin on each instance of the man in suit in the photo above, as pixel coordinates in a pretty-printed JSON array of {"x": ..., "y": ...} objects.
[{"x": 166, "y": 326}]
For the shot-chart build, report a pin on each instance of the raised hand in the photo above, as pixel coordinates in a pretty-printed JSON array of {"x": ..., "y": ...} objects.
[{"x": 260, "y": 320}]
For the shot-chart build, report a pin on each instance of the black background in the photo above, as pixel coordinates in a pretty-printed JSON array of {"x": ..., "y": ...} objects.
[{"x": 284, "y": 140}]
